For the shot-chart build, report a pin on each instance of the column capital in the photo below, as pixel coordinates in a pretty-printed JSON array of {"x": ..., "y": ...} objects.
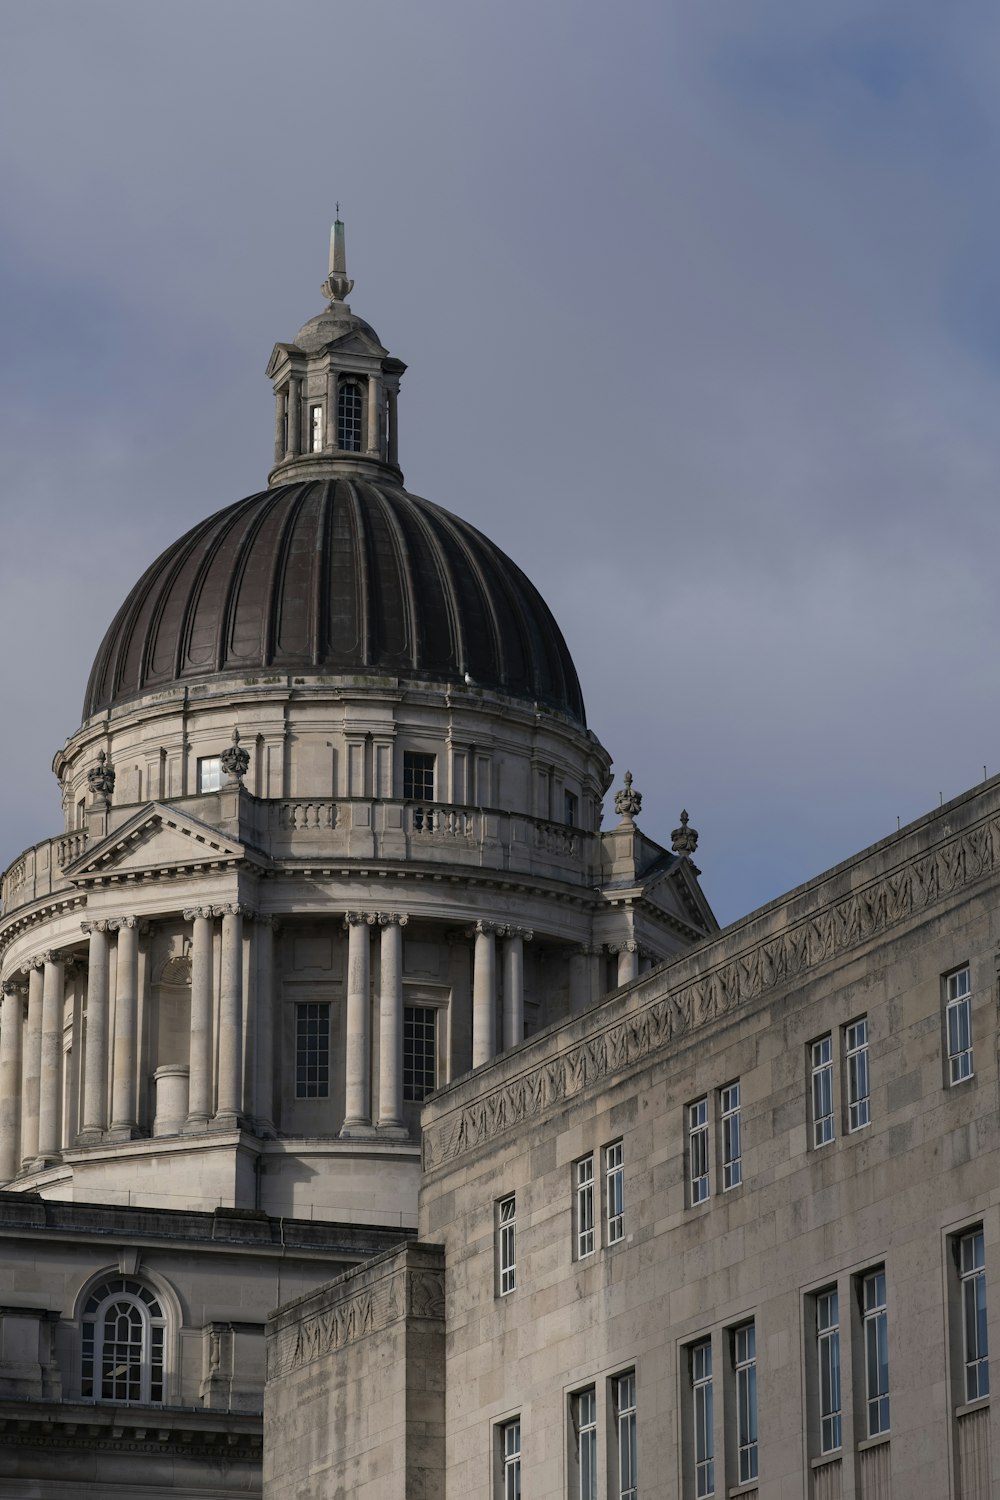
[
  {"x": 12, "y": 987},
  {"x": 134, "y": 921},
  {"x": 628, "y": 946},
  {"x": 524, "y": 933},
  {"x": 191, "y": 912},
  {"x": 102, "y": 924},
  {"x": 36, "y": 962},
  {"x": 52, "y": 956},
  {"x": 487, "y": 929},
  {"x": 393, "y": 918},
  {"x": 234, "y": 909},
  {"x": 360, "y": 918}
]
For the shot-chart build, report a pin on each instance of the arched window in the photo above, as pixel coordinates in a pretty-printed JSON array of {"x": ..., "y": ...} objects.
[
  {"x": 122, "y": 1343},
  {"x": 349, "y": 417}
]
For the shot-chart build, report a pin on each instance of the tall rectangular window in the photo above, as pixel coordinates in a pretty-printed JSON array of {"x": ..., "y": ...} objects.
[
  {"x": 583, "y": 1187},
  {"x": 858, "y": 1086},
  {"x": 745, "y": 1373},
  {"x": 418, "y": 776},
  {"x": 506, "y": 1245},
  {"x": 209, "y": 773},
  {"x": 732, "y": 1143},
  {"x": 876, "y": 1331},
  {"x": 316, "y": 429},
  {"x": 702, "y": 1416},
  {"x": 958, "y": 1022},
  {"x": 312, "y": 1051},
  {"x": 585, "y": 1442},
  {"x": 624, "y": 1401},
  {"x": 975, "y": 1341},
  {"x": 510, "y": 1460},
  {"x": 821, "y": 1064},
  {"x": 698, "y": 1183},
  {"x": 828, "y": 1361},
  {"x": 570, "y": 814},
  {"x": 419, "y": 1052},
  {"x": 614, "y": 1180}
]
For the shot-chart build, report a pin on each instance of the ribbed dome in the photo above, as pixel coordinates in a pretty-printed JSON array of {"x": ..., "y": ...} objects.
[{"x": 337, "y": 575}]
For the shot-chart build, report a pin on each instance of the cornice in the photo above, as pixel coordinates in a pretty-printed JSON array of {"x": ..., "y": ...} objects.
[{"x": 831, "y": 931}]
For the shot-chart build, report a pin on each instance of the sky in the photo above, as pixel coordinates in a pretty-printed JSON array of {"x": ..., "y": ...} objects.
[{"x": 700, "y": 301}]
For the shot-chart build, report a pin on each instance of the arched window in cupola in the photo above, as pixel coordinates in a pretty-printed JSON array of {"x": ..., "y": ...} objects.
[
  {"x": 349, "y": 417},
  {"x": 122, "y": 1334}
]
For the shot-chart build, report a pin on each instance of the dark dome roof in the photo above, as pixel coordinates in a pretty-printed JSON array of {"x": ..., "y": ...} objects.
[{"x": 337, "y": 575}]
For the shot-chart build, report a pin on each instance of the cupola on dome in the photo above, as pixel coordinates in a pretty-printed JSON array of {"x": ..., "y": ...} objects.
[{"x": 335, "y": 568}]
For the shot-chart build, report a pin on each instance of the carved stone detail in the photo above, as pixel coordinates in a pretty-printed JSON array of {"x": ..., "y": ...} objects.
[
  {"x": 101, "y": 778},
  {"x": 831, "y": 931},
  {"x": 234, "y": 760},
  {"x": 628, "y": 802},
  {"x": 393, "y": 918},
  {"x": 684, "y": 840},
  {"x": 408, "y": 1293},
  {"x": 190, "y": 912}
]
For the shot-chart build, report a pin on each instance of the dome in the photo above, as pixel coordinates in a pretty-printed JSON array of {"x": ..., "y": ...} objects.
[{"x": 342, "y": 575}]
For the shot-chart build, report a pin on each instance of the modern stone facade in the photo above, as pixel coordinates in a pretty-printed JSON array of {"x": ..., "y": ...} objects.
[{"x": 775, "y": 1157}]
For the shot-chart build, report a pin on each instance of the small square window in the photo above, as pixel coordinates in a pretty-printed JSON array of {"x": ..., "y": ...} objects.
[{"x": 209, "y": 773}]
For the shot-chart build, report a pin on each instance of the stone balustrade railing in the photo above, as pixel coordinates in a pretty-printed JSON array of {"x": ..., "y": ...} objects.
[{"x": 350, "y": 828}]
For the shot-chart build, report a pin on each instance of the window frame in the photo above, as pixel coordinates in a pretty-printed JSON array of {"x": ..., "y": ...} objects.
[
  {"x": 350, "y": 423},
  {"x": 698, "y": 1156},
  {"x": 107, "y": 1293},
  {"x": 975, "y": 1352},
  {"x": 824, "y": 1130},
  {"x": 744, "y": 1358},
  {"x": 316, "y": 426},
  {"x": 321, "y": 1065},
  {"x": 506, "y": 1244},
  {"x": 959, "y": 1060},
  {"x": 584, "y": 1217},
  {"x": 731, "y": 1134},
  {"x": 409, "y": 1060},
  {"x": 509, "y": 1455},
  {"x": 857, "y": 1074},
  {"x": 874, "y": 1308},
  {"x": 624, "y": 1405},
  {"x": 208, "y": 771},
  {"x": 583, "y": 1425},
  {"x": 829, "y": 1384},
  {"x": 415, "y": 776},
  {"x": 614, "y": 1192},
  {"x": 702, "y": 1418}
]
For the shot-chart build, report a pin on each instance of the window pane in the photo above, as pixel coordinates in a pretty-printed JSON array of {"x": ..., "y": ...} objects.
[
  {"x": 312, "y": 1051},
  {"x": 419, "y": 1051}
]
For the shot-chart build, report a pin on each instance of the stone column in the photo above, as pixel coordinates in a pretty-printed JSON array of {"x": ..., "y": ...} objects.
[
  {"x": 124, "y": 1058},
  {"x": 11, "y": 1024},
  {"x": 200, "y": 1054},
  {"x": 628, "y": 961},
  {"x": 390, "y": 1022},
  {"x": 358, "y": 1081},
  {"x": 294, "y": 416},
  {"x": 279, "y": 424},
  {"x": 484, "y": 992},
  {"x": 393, "y": 436},
  {"x": 373, "y": 414},
  {"x": 95, "y": 1054},
  {"x": 263, "y": 1002},
  {"x": 31, "y": 1061},
  {"x": 230, "y": 1102},
  {"x": 513, "y": 985},
  {"x": 330, "y": 431},
  {"x": 50, "y": 1094}
]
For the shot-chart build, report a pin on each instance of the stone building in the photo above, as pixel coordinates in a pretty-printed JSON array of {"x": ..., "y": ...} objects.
[
  {"x": 331, "y": 837},
  {"x": 734, "y": 1230}
]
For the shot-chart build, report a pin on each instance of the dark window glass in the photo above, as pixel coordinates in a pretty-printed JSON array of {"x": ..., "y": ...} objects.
[
  {"x": 419, "y": 1051},
  {"x": 349, "y": 417},
  {"x": 418, "y": 776},
  {"x": 312, "y": 1051}
]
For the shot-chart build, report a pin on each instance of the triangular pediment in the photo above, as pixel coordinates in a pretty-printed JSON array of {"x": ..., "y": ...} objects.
[
  {"x": 357, "y": 342},
  {"x": 280, "y": 355},
  {"x": 157, "y": 838}
]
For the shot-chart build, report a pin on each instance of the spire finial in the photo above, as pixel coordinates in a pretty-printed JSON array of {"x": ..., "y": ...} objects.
[{"x": 338, "y": 284}]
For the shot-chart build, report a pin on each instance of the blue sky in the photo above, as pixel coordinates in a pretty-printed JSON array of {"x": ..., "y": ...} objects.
[{"x": 701, "y": 307}]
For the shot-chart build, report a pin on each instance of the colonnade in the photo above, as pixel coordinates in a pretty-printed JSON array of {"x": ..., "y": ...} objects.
[{"x": 292, "y": 405}]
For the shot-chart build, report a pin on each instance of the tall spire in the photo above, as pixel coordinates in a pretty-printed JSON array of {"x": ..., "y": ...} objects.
[{"x": 338, "y": 284}]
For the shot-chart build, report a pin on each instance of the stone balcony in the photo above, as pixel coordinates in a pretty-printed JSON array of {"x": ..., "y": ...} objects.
[{"x": 324, "y": 831}]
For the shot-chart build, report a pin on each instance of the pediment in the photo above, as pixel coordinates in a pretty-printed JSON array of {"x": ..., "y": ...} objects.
[
  {"x": 279, "y": 355},
  {"x": 357, "y": 342},
  {"x": 156, "y": 839}
]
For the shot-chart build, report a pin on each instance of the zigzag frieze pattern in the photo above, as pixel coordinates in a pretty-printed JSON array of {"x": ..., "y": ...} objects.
[
  {"x": 835, "y": 930},
  {"x": 405, "y": 1294}
]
